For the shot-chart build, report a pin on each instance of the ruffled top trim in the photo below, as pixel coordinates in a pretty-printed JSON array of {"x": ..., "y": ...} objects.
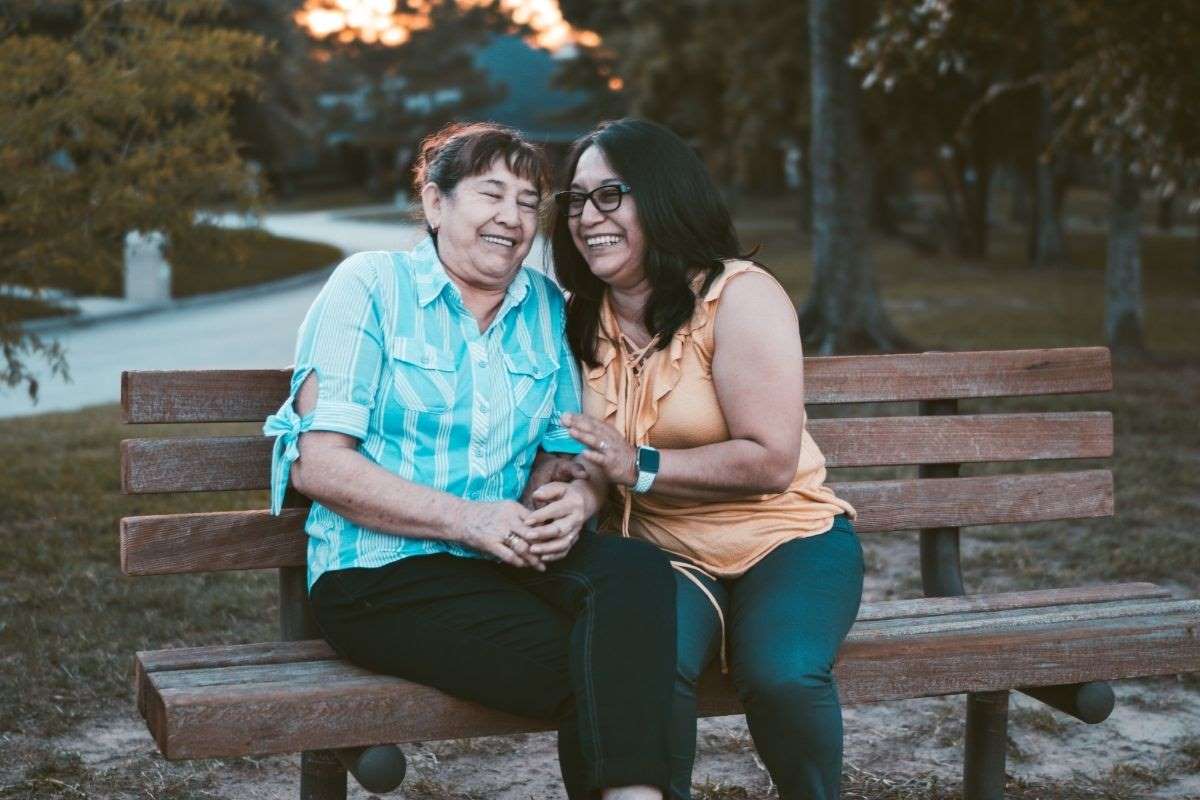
[{"x": 662, "y": 369}]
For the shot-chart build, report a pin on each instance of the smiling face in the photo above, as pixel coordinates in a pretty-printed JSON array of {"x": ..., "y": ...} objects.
[
  {"x": 612, "y": 242},
  {"x": 485, "y": 226}
]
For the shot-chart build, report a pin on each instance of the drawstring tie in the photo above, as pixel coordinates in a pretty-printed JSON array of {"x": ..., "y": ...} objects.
[{"x": 286, "y": 426}]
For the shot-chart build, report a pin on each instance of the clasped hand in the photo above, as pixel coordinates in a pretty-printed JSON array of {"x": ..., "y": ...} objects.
[{"x": 530, "y": 537}]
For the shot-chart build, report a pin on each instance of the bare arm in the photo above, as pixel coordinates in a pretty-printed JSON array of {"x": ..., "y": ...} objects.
[
  {"x": 332, "y": 471},
  {"x": 758, "y": 376}
]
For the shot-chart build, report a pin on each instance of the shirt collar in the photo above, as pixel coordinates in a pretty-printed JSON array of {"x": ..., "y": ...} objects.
[
  {"x": 431, "y": 278},
  {"x": 428, "y": 272}
]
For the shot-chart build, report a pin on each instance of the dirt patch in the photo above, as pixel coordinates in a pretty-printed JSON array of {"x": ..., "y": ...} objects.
[{"x": 1149, "y": 748}]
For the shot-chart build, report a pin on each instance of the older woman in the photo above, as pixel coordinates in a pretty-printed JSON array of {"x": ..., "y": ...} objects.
[
  {"x": 695, "y": 412},
  {"x": 425, "y": 383}
]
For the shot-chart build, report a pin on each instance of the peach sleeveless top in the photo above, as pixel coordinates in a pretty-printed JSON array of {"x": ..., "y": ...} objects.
[{"x": 667, "y": 400}]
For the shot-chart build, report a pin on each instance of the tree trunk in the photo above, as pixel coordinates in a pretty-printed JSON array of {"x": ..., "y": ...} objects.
[
  {"x": 1050, "y": 241},
  {"x": 1018, "y": 178},
  {"x": 1123, "y": 313},
  {"x": 843, "y": 312},
  {"x": 976, "y": 179},
  {"x": 1166, "y": 213}
]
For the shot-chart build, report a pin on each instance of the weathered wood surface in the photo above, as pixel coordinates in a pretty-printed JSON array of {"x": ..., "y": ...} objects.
[
  {"x": 937, "y": 376},
  {"x": 217, "y": 395},
  {"x": 250, "y": 395},
  {"x": 231, "y": 540},
  {"x": 1001, "y": 601},
  {"x": 314, "y": 703},
  {"x": 234, "y": 655},
  {"x": 211, "y": 542},
  {"x": 244, "y": 462}
]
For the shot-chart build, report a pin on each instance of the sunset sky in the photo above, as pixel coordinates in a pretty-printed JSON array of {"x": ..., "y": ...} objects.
[{"x": 391, "y": 22}]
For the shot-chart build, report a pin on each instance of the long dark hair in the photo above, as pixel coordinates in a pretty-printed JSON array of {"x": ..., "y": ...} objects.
[{"x": 687, "y": 229}]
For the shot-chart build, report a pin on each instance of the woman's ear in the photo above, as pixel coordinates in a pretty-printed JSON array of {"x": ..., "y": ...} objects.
[{"x": 431, "y": 204}]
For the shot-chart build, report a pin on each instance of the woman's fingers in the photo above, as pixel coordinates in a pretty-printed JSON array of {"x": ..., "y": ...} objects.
[
  {"x": 521, "y": 548},
  {"x": 548, "y": 493},
  {"x": 508, "y": 555},
  {"x": 562, "y": 547},
  {"x": 551, "y": 511}
]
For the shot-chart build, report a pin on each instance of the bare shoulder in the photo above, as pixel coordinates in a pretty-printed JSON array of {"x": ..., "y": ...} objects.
[{"x": 754, "y": 295}]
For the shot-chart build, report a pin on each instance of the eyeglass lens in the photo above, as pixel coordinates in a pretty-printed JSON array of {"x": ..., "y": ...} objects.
[{"x": 605, "y": 198}]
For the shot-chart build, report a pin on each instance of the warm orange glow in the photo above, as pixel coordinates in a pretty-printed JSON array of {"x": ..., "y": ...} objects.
[
  {"x": 392, "y": 23},
  {"x": 615, "y": 84}
]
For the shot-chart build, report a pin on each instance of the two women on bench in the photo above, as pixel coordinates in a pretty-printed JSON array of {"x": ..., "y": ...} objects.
[{"x": 429, "y": 384}]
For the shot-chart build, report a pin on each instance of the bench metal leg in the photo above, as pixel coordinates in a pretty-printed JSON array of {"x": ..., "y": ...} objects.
[
  {"x": 1087, "y": 702},
  {"x": 322, "y": 776},
  {"x": 378, "y": 769},
  {"x": 987, "y": 743}
]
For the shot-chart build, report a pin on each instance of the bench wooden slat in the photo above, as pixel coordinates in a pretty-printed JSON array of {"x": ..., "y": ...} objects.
[
  {"x": 234, "y": 655},
  {"x": 282, "y": 708},
  {"x": 1000, "y": 601},
  {"x": 220, "y": 656},
  {"x": 231, "y": 540},
  {"x": 959, "y": 375},
  {"x": 212, "y": 542},
  {"x": 250, "y": 395},
  {"x": 1007, "y": 620},
  {"x": 243, "y": 462}
]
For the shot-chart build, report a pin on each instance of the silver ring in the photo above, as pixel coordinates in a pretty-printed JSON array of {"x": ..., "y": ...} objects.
[
  {"x": 508, "y": 540},
  {"x": 603, "y": 445}
]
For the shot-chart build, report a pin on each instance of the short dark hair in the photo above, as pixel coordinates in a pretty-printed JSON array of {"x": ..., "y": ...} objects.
[
  {"x": 460, "y": 150},
  {"x": 688, "y": 230}
]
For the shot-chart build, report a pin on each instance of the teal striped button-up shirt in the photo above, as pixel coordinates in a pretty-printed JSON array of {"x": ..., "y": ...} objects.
[{"x": 402, "y": 367}]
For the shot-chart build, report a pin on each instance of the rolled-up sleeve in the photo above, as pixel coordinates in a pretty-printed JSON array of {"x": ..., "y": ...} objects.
[
  {"x": 341, "y": 340},
  {"x": 567, "y": 395}
]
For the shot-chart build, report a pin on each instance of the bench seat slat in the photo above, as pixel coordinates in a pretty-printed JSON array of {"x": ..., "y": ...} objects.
[
  {"x": 244, "y": 462},
  {"x": 263, "y": 676},
  {"x": 920, "y": 607},
  {"x": 231, "y": 540},
  {"x": 279, "y": 708},
  {"x": 250, "y": 395}
]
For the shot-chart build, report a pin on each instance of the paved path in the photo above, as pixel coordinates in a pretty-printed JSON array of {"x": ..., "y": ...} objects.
[{"x": 257, "y": 331}]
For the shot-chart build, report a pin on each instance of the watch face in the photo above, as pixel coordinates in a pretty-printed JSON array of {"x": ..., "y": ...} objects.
[{"x": 647, "y": 459}]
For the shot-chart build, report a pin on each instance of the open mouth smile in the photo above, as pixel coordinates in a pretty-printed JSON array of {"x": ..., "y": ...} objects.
[
  {"x": 503, "y": 241},
  {"x": 602, "y": 240}
]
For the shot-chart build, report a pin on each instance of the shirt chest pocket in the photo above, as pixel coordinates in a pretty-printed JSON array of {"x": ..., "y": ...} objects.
[
  {"x": 423, "y": 377},
  {"x": 531, "y": 382}
]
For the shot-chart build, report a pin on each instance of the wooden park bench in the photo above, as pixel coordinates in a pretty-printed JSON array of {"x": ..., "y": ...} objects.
[{"x": 1056, "y": 644}]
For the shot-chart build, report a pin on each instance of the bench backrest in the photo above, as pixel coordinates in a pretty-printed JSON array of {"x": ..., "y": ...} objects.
[{"x": 938, "y": 439}]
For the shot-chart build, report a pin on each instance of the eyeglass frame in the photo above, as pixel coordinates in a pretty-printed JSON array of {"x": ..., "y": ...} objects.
[{"x": 564, "y": 206}]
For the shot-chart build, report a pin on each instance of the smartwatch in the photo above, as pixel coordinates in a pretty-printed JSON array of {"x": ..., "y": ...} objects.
[{"x": 647, "y": 466}]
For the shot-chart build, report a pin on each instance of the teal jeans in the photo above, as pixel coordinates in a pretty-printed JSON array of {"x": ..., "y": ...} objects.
[{"x": 786, "y": 618}]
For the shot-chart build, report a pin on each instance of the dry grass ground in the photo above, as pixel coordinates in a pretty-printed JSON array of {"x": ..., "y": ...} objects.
[{"x": 69, "y": 622}]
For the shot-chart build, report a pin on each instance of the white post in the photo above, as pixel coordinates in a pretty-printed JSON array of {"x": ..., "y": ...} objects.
[{"x": 147, "y": 273}]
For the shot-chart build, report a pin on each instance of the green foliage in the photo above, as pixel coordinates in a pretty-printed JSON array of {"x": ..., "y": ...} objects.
[
  {"x": 731, "y": 77},
  {"x": 113, "y": 117},
  {"x": 1130, "y": 85},
  {"x": 1122, "y": 80}
]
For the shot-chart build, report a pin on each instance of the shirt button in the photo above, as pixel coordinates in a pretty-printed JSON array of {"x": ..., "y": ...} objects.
[
  {"x": 481, "y": 364},
  {"x": 483, "y": 405}
]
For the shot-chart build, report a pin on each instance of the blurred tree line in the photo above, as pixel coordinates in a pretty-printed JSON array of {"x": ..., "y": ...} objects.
[
  {"x": 1039, "y": 95},
  {"x": 114, "y": 117},
  {"x": 141, "y": 115},
  {"x": 119, "y": 116}
]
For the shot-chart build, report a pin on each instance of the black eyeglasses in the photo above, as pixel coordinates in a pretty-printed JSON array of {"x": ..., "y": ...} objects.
[{"x": 604, "y": 198}]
